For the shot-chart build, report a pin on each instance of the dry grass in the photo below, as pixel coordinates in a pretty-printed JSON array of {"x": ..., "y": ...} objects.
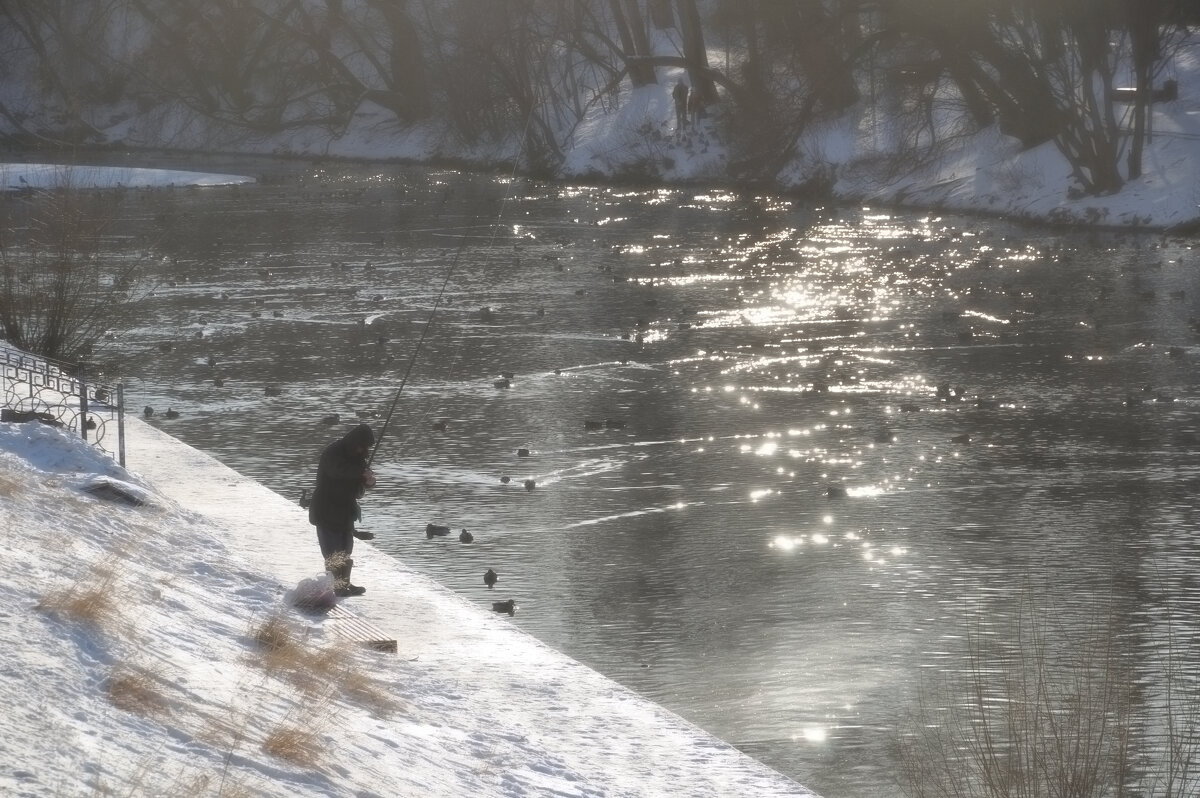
[
  {"x": 1049, "y": 708},
  {"x": 150, "y": 781},
  {"x": 225, "y": 789},
  {"x": 368, "y": 693},
  {"x": 295, "y": 743},
  {"x": 10, "y": 487},
  {"x": 275, "y": 636},
  {"x": 135, "y": 689},
  {"x": 225, "y": 728},
  {"x": 298, "y": 739},
  {"x": 285, "y": 653},
  {"x": 282, "y": 653},
  {"x": 91, "y": 600}
]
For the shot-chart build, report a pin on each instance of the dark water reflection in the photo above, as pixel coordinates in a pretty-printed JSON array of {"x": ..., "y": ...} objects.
[{"x": 695, "y": 554}]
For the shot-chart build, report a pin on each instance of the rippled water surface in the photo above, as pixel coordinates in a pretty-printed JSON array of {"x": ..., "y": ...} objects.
[{"x": 786, "y": 524}]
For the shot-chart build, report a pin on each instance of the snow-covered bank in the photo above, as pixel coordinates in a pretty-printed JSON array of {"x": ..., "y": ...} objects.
[
  {"x": 134, "y": 664},
  {"x": 848, "y": 156},
  {"x": 901, "y": 129},
  {"x": 986, "y": 173},
  {"x": 23, "y": 176}
]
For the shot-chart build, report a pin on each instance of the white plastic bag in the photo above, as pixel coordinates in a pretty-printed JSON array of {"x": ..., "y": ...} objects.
[{"x": 312, "y": 595}]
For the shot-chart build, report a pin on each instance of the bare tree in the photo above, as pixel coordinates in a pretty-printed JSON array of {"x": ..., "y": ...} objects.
[
  {"x": 1045, "y": 69},
  {"x": 631, "y": 28},
  {"x": 60, "y": 288},
  {"x": 70, "y": 68},
  {"x": 259, "y": 68},
  {"x": 1155, "y": 29}
]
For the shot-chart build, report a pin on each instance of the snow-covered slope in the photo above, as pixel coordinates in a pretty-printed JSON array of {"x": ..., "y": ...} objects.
[{"x": 150, "y": 651}]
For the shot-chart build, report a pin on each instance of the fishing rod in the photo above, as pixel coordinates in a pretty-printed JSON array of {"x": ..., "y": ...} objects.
[
  {"x": 438, "y": 299},
  {"x": 425, "y": 330},
  {"x": 416, "y": 351}
]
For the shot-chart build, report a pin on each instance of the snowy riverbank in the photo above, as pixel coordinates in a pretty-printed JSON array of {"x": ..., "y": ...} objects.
[
  {"x": 851, "y": 156},
  {"x": 985, "y": 173},
  {"x": 134, "y": 663}
]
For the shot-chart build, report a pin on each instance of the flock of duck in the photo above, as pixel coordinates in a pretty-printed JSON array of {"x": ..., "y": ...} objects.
[{"x": 490, "y": 578}]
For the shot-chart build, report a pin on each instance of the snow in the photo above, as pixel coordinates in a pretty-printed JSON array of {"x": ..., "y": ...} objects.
[
  {"x": 133, "y": 663},
  {"x": 49, "y": 175}
]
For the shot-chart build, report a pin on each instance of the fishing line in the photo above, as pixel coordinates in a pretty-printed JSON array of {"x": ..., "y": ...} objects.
[
  {"x": 416, "y": 351},
  {"x": 446, "y": 281}
]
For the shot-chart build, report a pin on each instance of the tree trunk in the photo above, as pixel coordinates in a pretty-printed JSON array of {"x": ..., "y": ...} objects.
[
  {"x": 640, "y": 74},
  {"x": 661, "y": 15},
  {"x": 407, "y": 62},
  {"x": 694, "y": 51},
  {"x": 1143, "y": 21},
  {"x": 824, "y": 58},
  {"x": 752, "y": 69},
  {"x": 641, "y": 41}
]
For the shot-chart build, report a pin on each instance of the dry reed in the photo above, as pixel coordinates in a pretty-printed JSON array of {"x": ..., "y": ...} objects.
[
  {"x": 135, "y": 689},
  {"x": 92, "y": 600},
  {"x": 1050, "y": 708}
]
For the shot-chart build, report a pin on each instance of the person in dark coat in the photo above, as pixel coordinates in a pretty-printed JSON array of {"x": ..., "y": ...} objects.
[
  {"x": 342, "y": 477},
  {"x": 680, "y": 95},
  {"x": 695, "y": 107}
]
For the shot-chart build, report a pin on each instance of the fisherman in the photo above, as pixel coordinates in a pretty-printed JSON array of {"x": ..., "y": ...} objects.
[{"x": 343, "y": 475}]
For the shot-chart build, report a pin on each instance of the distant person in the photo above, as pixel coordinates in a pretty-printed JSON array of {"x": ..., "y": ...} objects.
[
  {"x": 695, "y": 107},
  {"x": 680, "y": 95},
  {"x": 342, "y": 477}
]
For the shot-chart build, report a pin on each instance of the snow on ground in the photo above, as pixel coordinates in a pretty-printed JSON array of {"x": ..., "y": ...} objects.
[
  {"x": 987, "y": 172},
  {"x": 19, "y": 176},
  {"x": 135, "y": 660}
]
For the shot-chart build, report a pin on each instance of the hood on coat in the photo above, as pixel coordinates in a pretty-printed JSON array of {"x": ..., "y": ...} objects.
[{"x": 361, "y": 437}]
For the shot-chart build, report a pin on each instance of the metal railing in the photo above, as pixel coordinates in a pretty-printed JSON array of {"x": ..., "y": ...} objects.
[{"x": 34, "y": 388}]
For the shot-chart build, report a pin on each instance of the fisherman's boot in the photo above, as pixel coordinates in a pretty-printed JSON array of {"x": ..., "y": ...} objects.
[
  {"x": 339, "y": 572},
  {"x": 343, "y": 581}
]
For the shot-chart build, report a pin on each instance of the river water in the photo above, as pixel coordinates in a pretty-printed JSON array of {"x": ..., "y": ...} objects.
[{"x": 781, "y": 532}]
